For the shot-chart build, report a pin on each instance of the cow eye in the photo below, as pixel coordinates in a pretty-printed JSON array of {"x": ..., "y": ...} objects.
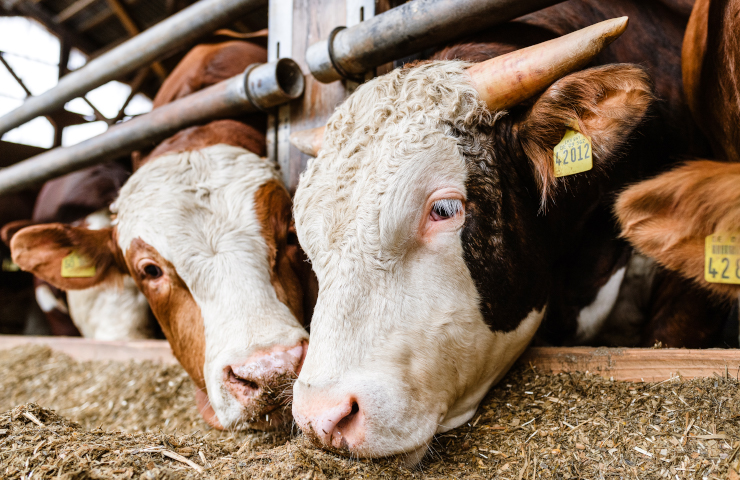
[
  {"x": 152, "y": 271},
  {"x": 445, "y": 208}
]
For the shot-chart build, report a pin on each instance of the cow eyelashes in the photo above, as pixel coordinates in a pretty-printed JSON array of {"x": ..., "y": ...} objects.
[{"x": 446, "y": 208}]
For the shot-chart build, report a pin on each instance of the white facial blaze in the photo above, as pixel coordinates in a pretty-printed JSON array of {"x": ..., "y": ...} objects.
[
  {"x": 397, "y": 327},
  {"x": 197, "y": 210}
]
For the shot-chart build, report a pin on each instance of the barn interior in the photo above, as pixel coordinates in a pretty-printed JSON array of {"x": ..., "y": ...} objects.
[{"x": 75, "y": 406}]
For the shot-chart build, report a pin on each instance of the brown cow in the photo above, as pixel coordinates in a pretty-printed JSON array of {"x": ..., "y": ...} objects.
[
  {"x": 669, "y": 216},
  {"x": 206, "y": 65}
]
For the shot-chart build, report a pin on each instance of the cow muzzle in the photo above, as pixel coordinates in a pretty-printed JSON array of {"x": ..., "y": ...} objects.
[{"x": 262, "y": 384}]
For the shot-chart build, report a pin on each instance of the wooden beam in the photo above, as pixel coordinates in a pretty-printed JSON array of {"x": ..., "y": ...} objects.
[
  {"x": 13, "y": 74},
  {"x": 98, "y": 116},
  {"x": 136, "y": 84},
  {"x": 128, "y": 23},
  {"x": 634, "y": 364},
  {"x": 11, "y": 153},
  {"x": 40, "y": 14},
  {"x": 73, "y": 10}
]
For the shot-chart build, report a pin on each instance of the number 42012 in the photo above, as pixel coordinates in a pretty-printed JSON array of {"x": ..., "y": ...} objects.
[{"x": 583, "y": 153}]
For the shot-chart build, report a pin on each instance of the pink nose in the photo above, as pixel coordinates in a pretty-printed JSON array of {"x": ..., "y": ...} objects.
[
  {"x": 340, "y": 426},
  {"x": 265, "y": 380}
]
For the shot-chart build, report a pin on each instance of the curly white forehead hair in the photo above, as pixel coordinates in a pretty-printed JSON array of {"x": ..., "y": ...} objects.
[{"x": 385, "y": 124}]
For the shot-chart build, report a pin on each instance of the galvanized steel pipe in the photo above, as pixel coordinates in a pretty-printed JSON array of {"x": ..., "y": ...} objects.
[
  {"x": 408, "y": 29},
  {"x": 181, "y": 29},
  {"x": 260, "y": 87}
]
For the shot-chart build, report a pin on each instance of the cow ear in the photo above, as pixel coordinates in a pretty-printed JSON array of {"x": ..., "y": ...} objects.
[
  {"x": 605, "y": 103},
  {"x": 11, "y": 228},
  {"x": 669, "y": 216},
  {"x": 70, "y": 258}
]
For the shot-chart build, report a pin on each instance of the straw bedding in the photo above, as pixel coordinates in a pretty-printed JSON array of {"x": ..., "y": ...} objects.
[{"x": 73, "y": 420}]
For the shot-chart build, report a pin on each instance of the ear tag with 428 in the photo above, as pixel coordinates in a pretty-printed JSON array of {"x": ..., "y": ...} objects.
[
  {"x": 722, "y": 258},
  {"x": 573, "y": 154}
]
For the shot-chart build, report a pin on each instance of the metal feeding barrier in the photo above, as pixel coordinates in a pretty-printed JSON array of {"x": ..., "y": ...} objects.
[
  {"x": 407, "y": 29},
  {"x": 260, "y": 87},
  {"x": 177, "y": 31}
]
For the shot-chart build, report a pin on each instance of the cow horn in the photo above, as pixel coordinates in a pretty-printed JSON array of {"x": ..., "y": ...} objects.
[
  {"x": 507, "y": 80},
  {"x": 308, "y": 141}
]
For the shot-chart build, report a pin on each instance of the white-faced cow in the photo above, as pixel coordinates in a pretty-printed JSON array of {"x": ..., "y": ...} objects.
[
  {"x": 423, "y": 219},
  {"x": 203, "y": 228}
]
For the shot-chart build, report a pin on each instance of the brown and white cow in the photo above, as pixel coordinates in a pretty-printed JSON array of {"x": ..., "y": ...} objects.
[
  {"x": 203, "y": 228},
  {"x": 439, "y": 233}
]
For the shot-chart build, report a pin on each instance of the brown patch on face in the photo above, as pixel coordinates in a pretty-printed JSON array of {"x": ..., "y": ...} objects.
[
  {"x": 173, "y": 305},
  {"x": 273, "y": 209}
]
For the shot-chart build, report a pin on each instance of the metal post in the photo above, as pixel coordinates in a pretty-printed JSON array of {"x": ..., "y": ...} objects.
[
  {"x": 177, "y": 31},
  {"x": 260, "y": 87},
  {"x": 408, "y": 29}
]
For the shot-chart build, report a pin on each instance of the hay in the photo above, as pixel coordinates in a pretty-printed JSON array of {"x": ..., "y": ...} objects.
[{"x": 530, "y": 426}]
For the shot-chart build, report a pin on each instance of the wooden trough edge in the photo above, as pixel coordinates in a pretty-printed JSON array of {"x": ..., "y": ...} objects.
[
  {"x": 87, "y": 349},
  {"x": 624, "y": 364}
]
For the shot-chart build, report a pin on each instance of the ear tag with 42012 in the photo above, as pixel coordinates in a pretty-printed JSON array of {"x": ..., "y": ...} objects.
[{"x": 573, "y": 154}]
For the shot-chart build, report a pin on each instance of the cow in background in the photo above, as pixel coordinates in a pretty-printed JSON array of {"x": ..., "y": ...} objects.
[
  {"x": 206, "y": 65},
  {"x": 668, "y": 217},
  {"x": 204, "y": 228},
  {"x": 106, "y": 312}
]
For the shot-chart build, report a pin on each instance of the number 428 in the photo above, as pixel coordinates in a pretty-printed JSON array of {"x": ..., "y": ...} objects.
[{"x": 725, "y": 262}]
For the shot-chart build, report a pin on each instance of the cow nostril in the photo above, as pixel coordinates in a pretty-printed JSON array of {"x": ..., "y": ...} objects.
[
  {"x": 249, "y": 385},
  {"x": 345, "y": 422}
]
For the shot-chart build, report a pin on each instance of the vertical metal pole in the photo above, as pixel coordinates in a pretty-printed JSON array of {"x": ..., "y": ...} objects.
[{"x": 280, "y": 45}]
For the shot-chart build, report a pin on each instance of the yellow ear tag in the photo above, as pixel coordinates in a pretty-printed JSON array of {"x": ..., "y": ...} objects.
[
  {"x": 573, "y": 154},
  {"x": 76, "y": 266},
  {"x": 722, "y": 258},
  {"x": 10, "y": 266}
]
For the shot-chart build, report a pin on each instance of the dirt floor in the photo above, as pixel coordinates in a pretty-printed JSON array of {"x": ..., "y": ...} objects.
[{"x": 73, "y": 420}]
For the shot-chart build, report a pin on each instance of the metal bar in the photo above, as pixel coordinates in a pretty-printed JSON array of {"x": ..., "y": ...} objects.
[
  {"x": 176, "y": 31},
  {"x": 43, "y": 16},
  {"x": 407, "y": 29},
  {"x": 259, "y": 87}
]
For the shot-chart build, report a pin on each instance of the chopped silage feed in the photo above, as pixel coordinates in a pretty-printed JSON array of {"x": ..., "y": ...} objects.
[{"x": 73, "y": 420}]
